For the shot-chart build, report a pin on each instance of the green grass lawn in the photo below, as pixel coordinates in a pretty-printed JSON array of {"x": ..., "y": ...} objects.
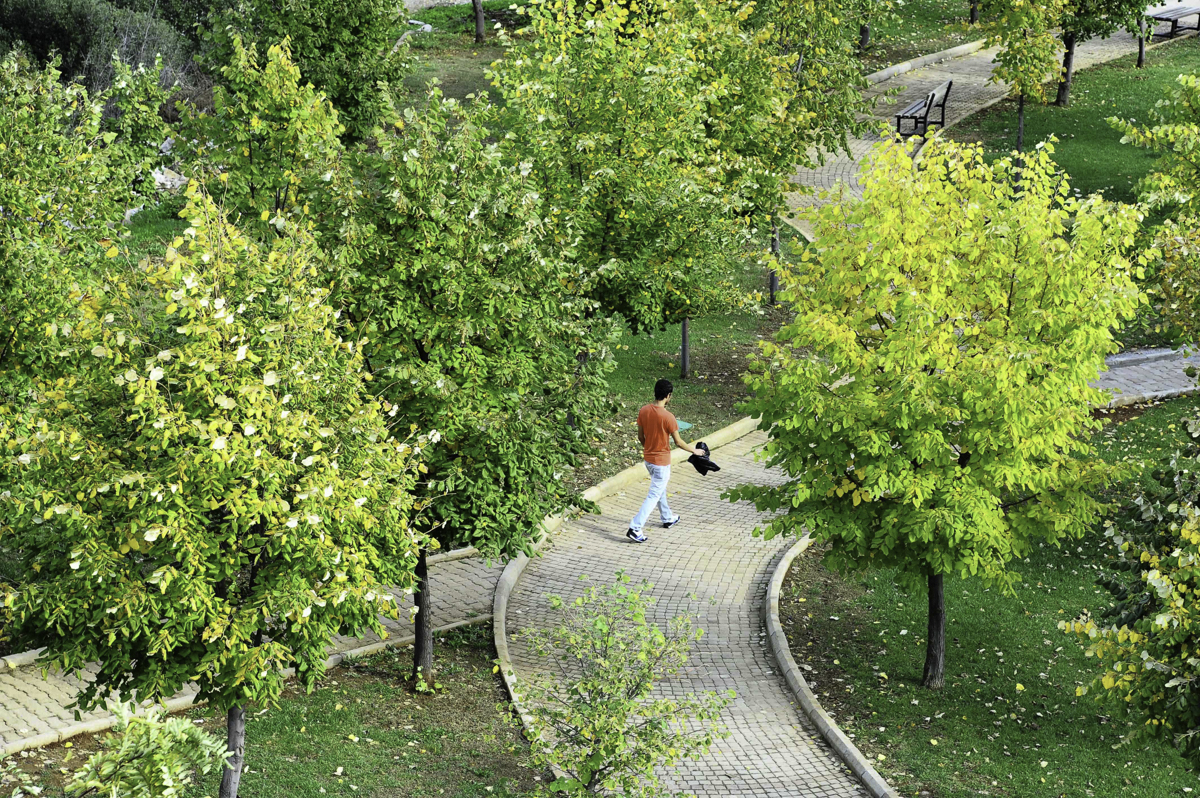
[
  {"x": 1089, "y": 150},
  {"x": 921, "y": 27},
  {"x": 361, "y": 733},
  {"x": 1008, "y": 722}
]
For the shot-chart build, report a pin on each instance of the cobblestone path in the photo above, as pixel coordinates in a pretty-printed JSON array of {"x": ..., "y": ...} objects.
[
  {"x": 33, "y": 710},
  {"x": 713, "y": 567},
  {"x": 971, "y": 92}
]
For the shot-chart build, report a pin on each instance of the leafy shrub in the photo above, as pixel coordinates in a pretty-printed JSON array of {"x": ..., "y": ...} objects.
[
  {"x": 592, "y": 716},
  {"x": 1148, "y": 645},
  {"x": 346, "y": 48},
  {"x": 86, "y": 33}
]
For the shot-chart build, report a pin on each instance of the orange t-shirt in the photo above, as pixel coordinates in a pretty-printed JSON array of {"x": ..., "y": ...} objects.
[{"x": 657, "y": 426}]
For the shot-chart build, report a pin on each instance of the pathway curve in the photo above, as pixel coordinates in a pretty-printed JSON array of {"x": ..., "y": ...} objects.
[
  {"x": 971, "y": 93},
  {"x": 713, "y": 567},
  {"x": 33, "y": 710}
]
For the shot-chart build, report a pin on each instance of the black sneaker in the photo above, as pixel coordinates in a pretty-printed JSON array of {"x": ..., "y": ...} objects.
[
  {"x": 670, "y": 524},
  {"x": 635, "y": 536}
]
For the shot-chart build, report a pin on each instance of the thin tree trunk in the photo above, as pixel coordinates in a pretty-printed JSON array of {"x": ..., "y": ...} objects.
[
  {"x": 935, "y": 643},
  {"x": 685, "y": 354},
  {"x": 773, "y": 285},
  {"x": 974, "y": 12},
  {"x": 1064, "y": 85},
  {"x": 864, "y": 37},
  {"x": 235, "y": 743},
  {"x": 423, "y": 645},
  {"x": 480, "y": 30},
  {"x": 1021, "y": 124},
  {"x": 1141, "y": 62}
]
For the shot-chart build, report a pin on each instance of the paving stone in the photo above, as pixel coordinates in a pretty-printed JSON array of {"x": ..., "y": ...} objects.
[{"x": 31, "y": 705}]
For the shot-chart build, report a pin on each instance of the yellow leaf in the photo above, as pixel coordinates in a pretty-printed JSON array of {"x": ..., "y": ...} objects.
[{"x": 112, "y": 252}]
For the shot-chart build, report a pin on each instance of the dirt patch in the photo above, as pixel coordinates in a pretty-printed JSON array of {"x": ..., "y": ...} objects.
[{"x": 1118, "y": 415}]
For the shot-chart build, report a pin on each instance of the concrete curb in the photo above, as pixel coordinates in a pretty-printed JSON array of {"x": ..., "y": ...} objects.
[
  {"x": 846, "y": 750},
  {"x": 923, "y": 61},
  {"x": 1125, "y": 400},
  {"x": 1142, "y": 356},
  {"x": 514, "y": 569}
]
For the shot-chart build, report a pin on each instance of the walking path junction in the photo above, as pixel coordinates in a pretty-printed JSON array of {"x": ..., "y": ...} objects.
[{"x": 710, "y": 565}]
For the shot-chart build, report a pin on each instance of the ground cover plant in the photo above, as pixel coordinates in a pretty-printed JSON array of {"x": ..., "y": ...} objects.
[
  {"x": 1088, "y": 149},
  {"x": 360, "y": 732}
]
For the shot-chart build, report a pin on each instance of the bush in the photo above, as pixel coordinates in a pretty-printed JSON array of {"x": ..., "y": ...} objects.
[
  {"x": 86, "y": 33},
  {"x": 344, "y": 47},
  {"x": 593, "y": 720},
  {"x": 1148, "y": 646}
]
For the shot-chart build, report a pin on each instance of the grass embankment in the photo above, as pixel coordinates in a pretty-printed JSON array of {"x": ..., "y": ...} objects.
[
  {"x": 361, "y": 733},
  {"x": 1008, "y": 722},
  {"x": 921, "y": 27}
]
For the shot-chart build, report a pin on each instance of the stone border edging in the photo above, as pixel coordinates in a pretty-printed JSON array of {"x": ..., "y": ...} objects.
[
  {"x": 837, "y": 739},
  {"x": 514, "y": 569},
  {"x": 888, "y": 73}
]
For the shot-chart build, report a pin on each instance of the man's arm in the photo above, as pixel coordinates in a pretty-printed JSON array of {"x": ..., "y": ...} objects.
[
  {"x": 641, "y": 436},
  {"x": 679, "y": 442}
]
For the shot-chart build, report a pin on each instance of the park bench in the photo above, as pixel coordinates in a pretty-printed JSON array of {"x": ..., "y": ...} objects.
[
  {"x": 919, "y": 112},
  {"x": 1174, "y": 15}
]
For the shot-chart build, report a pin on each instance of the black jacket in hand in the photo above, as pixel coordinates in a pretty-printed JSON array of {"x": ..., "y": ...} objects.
[{"x": 701, "y": 462}]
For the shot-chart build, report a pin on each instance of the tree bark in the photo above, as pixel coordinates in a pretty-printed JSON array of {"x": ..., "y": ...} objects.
[
  {"x": 1064, "y": 85},
  {"x": 974, "y": 12},
  {"x": 935, "y": 642},
  {"x": 1021, "y": 123},
  {"x": 1141, "y": 62},
  {"x": 480, "y": 30},
  {"x": 773, "y": 285},
  {"x": 864, "y": 37},
  {"x": 423, "y": 644},
  {"x": 685, "y": 354},
  {"x": 235, "y": 743}
]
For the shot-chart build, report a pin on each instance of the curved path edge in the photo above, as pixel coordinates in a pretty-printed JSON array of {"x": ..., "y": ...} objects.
[
  {"x": 837, "y": 739},
  {"x": 516, "y": 567}
]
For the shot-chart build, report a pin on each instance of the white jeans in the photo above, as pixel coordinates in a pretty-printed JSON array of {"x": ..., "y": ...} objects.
[{"x": 659, "y": 477}]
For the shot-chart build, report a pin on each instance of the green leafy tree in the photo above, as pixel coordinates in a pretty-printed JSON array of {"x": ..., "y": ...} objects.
[
  {"x": 208, "y": 492},
  {"x": 269, "y": 136},
  {"x": 1029, "y": 50},
  {"x": 68, "y": 176},
  {"x": 448, "y": 269},
  {"x": 591, "y": 713},
  {"x": 608, "y": 104},
  {"x": 1147, "y": 638},
  {"x": 345, "y": 47},
  {"x": 1174, "y": 134},
  {"x": 1083, "y": 20},
  {"x": 930, "y": 402}
]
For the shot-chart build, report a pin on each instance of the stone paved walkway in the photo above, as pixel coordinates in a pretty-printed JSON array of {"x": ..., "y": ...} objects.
[
  {"x": 971, "y": 92},
  {"x": 712, "y": 566},
  {"x": 33, "y": 710}
]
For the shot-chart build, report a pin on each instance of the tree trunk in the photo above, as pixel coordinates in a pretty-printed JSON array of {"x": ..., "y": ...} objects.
[
  {"x": 935, "y": 643},
  {"x": 1064, "y": 85},
  {"x": 685, "y": 354},
  {"x": 1141, "y": 64},
  {"x": 423, "y": 645},
  {"x": 1021, "y": 123},
  {"x": 974, "y": 12},
  {"x": 773, "y": 285},
  {"x": 235, "y": 743},
  {"x": 864, "y": 37},
  {"x": 480, "y": 30}
]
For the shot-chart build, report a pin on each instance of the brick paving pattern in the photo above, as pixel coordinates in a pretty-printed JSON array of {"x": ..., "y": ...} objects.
[
  {"x": 31, "y": 706},
  {"x": 713, "y": 567}
]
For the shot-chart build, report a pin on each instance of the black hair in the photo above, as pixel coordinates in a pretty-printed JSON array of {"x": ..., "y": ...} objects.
[{"x": 663, "y": 389}]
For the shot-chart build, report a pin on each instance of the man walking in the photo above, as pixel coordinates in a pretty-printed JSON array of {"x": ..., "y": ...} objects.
[{"x": 655, "y": 426}]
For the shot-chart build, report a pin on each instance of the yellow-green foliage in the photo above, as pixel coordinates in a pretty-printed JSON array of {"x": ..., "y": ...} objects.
[
  {"x": 930, "y": 402},
  {"x": 203, "y": 489}
]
